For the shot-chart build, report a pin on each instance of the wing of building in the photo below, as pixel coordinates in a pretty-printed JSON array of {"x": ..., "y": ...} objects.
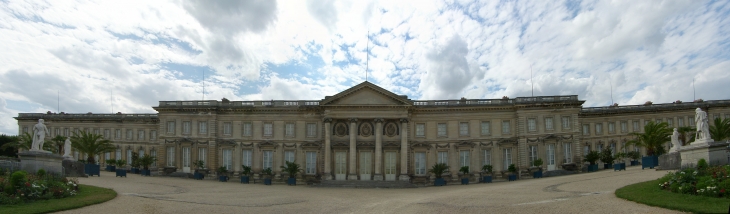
[{"x": 369, "y": 133}]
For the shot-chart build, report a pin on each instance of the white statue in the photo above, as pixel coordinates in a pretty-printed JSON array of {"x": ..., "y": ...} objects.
[
  {"x": 703, "y": 131},
  {"x": 67, "y": 149},
  {"x": 39, "y": 134},
  {"x": 675, "y": 141}
]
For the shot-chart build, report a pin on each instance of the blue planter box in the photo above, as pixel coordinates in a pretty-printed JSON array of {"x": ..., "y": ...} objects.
[
  {"x": 464, "y": 181},
  {"x": 291, "y": 181},
  {"x": 244, "y": 179},
  {"x": 487, "y": 179},
  {"x": 619, "y": 166},
  {"x": 198, "y": 176},
  {"x": 145, "y": 172},
  {"x": 439, "y": 182},
  {"x": 537, "y": 174},
  {"x": 108, "y": 168},
  {"x": 135, "y": 170},
  {"x": 593, "y": 168},
  {"x": 512, "y": 177},
  {"x": 606, "y": 166},
  {"x": 222, "y": 178},
  {"x": 121, "y": 173},
  {"x": 634, "y": 163},
  {"x": 267, "y": 181},
  {"x": 92, "y": 169},
  {"x": 649, "y": 162}
]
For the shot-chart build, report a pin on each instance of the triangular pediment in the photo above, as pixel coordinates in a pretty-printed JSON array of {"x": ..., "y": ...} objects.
[{"x": 366, "y": 94}]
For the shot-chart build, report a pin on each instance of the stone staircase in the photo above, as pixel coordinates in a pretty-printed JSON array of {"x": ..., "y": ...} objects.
[{"x": 364, "y": 184}]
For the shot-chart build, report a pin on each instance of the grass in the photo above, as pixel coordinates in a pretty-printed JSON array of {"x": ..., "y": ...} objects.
[
  {"x": 649, "y": 193},
  {"x": 88, "y": 195}
]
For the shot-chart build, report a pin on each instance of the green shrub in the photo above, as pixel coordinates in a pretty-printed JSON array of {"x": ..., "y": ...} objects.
[
  {"x": 41, "y": 173},
  {"x": 17, "y": 179},
  {"x": 702, "y": 165}
]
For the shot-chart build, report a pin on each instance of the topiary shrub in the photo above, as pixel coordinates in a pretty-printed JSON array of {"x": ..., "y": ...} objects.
[
  {"x": 41, "y": 173},
  {"x": 702, "y": 166},
  {"x": 17, "y": 179}
]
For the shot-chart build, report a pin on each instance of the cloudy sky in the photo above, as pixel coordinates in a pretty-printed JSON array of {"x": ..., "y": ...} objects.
[{"x": 147, "y": 51}]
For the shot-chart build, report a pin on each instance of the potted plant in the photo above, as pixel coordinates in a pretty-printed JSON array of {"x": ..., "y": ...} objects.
[
  {"x": 607, "y": 158},
  {"x": 222, "y": 174},
  {"x": 487, "y": 169},
  {"x": 145, "y": 161},
  {"x": 267, "y": 176},
  {"x": 655, "y": 136},
  {"x": 620, "y": 165},
  {"x": 538, "y": 173},
  {"x": 135, "y": 163},
  {"x": 464, "y": 170},
  {"x": 111, "y": 165},
  {"x": 245, "y": 173},
  {"x": 438, "y": 170},
  {"x": 90, "y": 144},
  {"x": 634, "y": 155},
  {"x": 121, "y": 172},
  {"x": 592, "y": 157},
  {"x": 292, "y": 169},
  {"x": 198, "y": 174},
  {"x": 512, "y": 172}
]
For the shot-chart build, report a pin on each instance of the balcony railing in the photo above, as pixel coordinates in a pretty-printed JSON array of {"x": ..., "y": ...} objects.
[
  {"x": 86, "y": 116},
  {"x": 518, "y": 100},
  {"x": 258, "y": 103},
  {"x": 652, "y": 107}
]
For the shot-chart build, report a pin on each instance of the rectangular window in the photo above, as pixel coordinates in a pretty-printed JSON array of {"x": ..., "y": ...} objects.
[
  {"x": 485, "y": 128},
  {"x": 311, "y": 163},
  {"x": 611, "y": 127},
  {"x": 141, "y": 153},
  {"x": 268, "y": 129},
  {"x": 107, "y": 156},
  {"x": 548, "y": 123},
  {"x": 680, "y": 121},
  {"x": 507, "y": 158},
  {"x": 227, "y": 158},
  {"x": 486, "y": 157},
  {"x": 153, "y": 135},
  {"x": 118, "y": 154},
  {"x": 288, "y": 156},
  {"x": 443, "y": 157},
  {"x": 66, "y": 133},
  {"x": 140, "y": 135},
  {"x": 658, "y": 121},
  {"x": 171, "y": 127},
  {"x": 186, "y": 127},
  {"x": 586, "y": 129},
  {"x": 58, "y": 132},
  {"x": 624, "y": 127},
  {"x": 247, "y": 129},
  {"x": 533, "y": 154},
  {"x": 691, "y": 121},
  {"x": 505, "y": 127},
  {"x": 96, "y": 131},
  {"x": 227, "y": 128},
  {"x": 531, "y": 125},
  {"x": 118, "y": 134},
  {"x": 586, "y": 150},
  {"x": 420, "y": 163},
  {"x": 613, "y": 148},
  {"x": 420, "y": 129},
  {"x": 268, "y": 159},
  {"x": 599, "y": 128},
  {"x": 311, "y": 130},
  {"x": 153, "y": 153},
  {"x": 129, "y": 157},
  {"x": 567, "y": 152},
  {"x": 600, "y": 148},
  {"x": 25, "y": 129},
  {"x": 646, "y": 122},
  {"x": 246, "y": 158},
  {"x": 170, "y": 156},
  {"x": 670, "y": 122},
  {"x": 185, "y": 156},
  {"x": 289, "y": 129},
  {"x": 464, "y": 158},
  {"x": 202, "y": 152},
  {"x": 442, "y": 129},
  {"x": 636, "y": 125},
  {"x": 566, "y": 122},
  {"x": 464, "y": 129},
  {"x": 129, "y": 134},
  {"x": 107, "y": 133},
  {"x": 203, "y": 127}
]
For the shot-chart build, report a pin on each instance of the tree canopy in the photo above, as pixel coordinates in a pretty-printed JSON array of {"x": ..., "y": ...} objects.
[
  {"x": 720, "y": 129},
  {"x": 91, "y": 145},
  {"x": 653, "y": 139}
]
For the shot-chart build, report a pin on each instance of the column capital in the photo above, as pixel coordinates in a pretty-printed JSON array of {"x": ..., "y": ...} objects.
[
  {"x": 327, "y": 120},
  {"x": 404, "y": 120},
  {"x": 353, "y": 120},
  {"x": 378, "y": 120}
]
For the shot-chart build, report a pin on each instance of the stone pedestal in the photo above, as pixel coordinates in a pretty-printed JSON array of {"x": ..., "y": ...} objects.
[
  {"x": 670, "y": 161},
  {"x": 715, "y": 153},
  {"x": 73, "y": 168},
  {"x": 32, "y": 161}
]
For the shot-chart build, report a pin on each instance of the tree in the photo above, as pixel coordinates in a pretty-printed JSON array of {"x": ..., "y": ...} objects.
[
  {"x": 686, "y": 134},
  {"x": 720, "y": 129},
  {"x": 7, "y": 150},
  {"x": 23, "y": 142},
  {"x": 56, "y": 144},
  {"x": 91, "y": 145},
  {"x": 653, "y": 139}
]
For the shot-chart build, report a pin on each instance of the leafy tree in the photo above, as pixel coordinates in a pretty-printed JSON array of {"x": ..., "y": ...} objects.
[
  {"x": 686, "y": 134},
  {"x": 56, "y": 144},
  {"x": 23, "y": 141},
  {"x": 592, "y": 157},
  {"x": 91, "y": 145},
  {"x": 720, "y": 129},
  {"x": 146, "y": 160},
  {"x": 8, "y": 150},
  {"x": 653, "y": 139},
  {"x": 439, "y": 169},
  {"x": 291, "y": 168}
]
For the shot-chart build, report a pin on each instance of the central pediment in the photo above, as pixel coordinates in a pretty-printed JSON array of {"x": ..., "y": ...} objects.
[{"x": 366, "y": 94}]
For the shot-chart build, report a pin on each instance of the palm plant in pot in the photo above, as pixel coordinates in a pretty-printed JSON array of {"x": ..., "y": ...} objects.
[
  {"x": 145, "y": 161},
  {"x": 464, "y": 170},
  {"x": 121, "y": 172},
  {"x": 487, "y": 169},
  {"x": 537, "y": 173},
  {"x": 92, "y": 145},
  {"x": 653, "y": 139},
  {"x": 634, "y": 155},
  {"x": 267, "y": 176},
  {"x": 222, "y": 174},
  {"x": 198, "y": 174},
  {"x": 438, "y": 170},
  {"x": 135, "y": 163},
  {"x": 592, "y": 157},
  {"x": 620, "y": 165},
  {"x": 245, "y": 173},
  {"x": 111, "y": 165},
  {"x": 607, "y": 158},
  {"x": 512, "y": 172},
  {"x": 292, "y": 169}
]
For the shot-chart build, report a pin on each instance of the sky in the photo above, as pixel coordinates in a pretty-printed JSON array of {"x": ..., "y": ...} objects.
[{"x": 125, "y": 56}]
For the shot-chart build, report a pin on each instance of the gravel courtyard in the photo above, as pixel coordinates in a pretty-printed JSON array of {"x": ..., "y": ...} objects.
[{"x": 582, "y": 193}]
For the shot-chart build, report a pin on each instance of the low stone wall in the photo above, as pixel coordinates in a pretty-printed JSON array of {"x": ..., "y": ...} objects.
[
  {"x": 73, "y": 168},
  {"x": 670, "y": 161}
]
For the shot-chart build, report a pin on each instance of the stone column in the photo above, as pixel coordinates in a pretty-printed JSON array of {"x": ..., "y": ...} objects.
[
  {"x": 327, "y": 149},
  {"x": 352, "y": 173},
  {"x": 378, "y": 149},
  {"x": 404, "y": 150}
]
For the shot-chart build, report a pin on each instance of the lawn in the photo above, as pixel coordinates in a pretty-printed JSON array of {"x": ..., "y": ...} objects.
[
  {"x": 88, "y": 195},
  {"x": 649, "y": 193}
]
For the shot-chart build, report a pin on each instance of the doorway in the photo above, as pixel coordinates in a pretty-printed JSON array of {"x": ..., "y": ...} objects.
[
  {"x": 390, "y": 166},
  {"x": 365, "y": 163},
  {"x": 340, "y": 166}
]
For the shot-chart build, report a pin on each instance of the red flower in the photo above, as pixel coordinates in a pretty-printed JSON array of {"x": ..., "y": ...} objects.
[
  {"x": 722, "y": 191},
  {"x": 27, "y": 184}
]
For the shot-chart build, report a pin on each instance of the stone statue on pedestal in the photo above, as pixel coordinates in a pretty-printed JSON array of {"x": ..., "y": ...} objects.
[
  {"x": 701, "y": 121},
  {"x": 675, "y": 141},
  {"x": 67, "y": 149},
  {"x": 39, "y": 135}
]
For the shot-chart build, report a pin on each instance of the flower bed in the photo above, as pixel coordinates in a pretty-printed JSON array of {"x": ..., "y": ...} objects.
[
  {"x": 703, "y": 180},
  {"x": 20, "y": 187}
]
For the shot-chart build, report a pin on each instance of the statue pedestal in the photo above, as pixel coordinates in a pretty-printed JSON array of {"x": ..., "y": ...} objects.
[
  {"x": 670, "y": 161},
  {"x": 32, "y": 161},
  {"x": 715, "y": 153}
]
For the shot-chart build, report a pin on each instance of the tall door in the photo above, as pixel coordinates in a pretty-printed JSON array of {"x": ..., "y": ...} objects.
[
  {"x": 340, "y": 165},
  {"x": 186, "y": 159},
  {"x": 390, "y": 166},
  {"x": 551, "y": 157},
  {"x": 365, "y": 163}
]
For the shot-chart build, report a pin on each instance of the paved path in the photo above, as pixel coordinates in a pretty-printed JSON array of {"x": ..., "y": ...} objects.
[{"x": 581, "y": 193}]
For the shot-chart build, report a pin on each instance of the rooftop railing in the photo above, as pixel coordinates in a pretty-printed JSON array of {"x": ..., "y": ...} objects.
[
  {"x": 86, "y": 116},
  {"x": 661, "y": 106},
  {"x": 256, "y": 103},
  {"x": 518, "y": 100}
]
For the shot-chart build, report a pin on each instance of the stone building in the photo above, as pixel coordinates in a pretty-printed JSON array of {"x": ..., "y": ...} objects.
[{"x": 369, "y": 133}]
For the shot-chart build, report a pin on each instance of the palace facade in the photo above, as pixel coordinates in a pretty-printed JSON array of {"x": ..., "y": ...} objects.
[{"x": 369, "y": 133}]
